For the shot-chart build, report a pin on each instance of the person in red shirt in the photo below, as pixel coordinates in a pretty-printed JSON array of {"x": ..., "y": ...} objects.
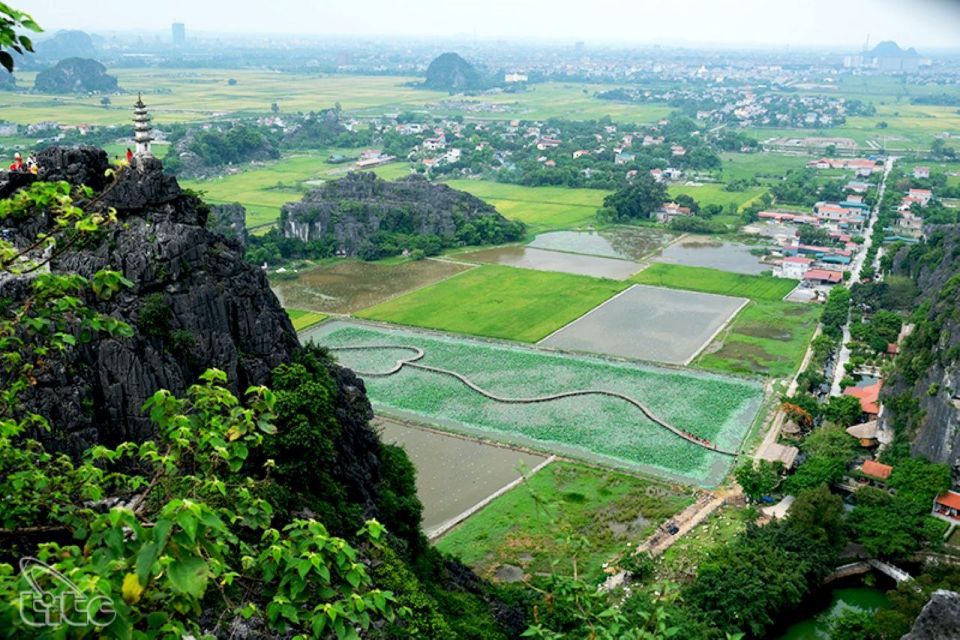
[
  {"x": 17, "y": 164},
  {"x": 129, "y": 156}
]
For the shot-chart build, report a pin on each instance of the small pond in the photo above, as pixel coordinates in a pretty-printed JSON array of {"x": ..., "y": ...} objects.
[
  {"x": 832, "y": 605},
  {"x": 626, "y": 243}
]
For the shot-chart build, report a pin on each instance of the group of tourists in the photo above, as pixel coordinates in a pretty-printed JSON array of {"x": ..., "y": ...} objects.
[
  {"x": 18, "y": 164},
  {"x": 697, "y": 438}
]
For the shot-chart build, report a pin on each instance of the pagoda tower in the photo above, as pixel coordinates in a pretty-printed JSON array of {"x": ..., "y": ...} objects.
[{"x": 142, "y": 128}]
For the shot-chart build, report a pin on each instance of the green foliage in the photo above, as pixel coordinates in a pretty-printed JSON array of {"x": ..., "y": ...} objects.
[
  {"x": 155, "y": 315},
  {"x": 843, "y": 410},
  {"x": 636, "y": 201},
  {"x": 835, "y": 312},
  {"x": 758, "y": 479},
  {"x": 12, "y": 22}
]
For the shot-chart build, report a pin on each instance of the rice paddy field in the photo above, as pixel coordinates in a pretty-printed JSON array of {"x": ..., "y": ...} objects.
[
  {"x": 767, "y": 338},
  {"x": 764, "y": 166},
  {"x": 626, "y": 243},
  {"x": 495, "y": 301},
  {"x": 302, "y": 319},
  {"x": 699, "y": 251},
  {"x": 678, "y": 276},
  {"x": 544, "y": 260},
  {"x": 522, "y": 532},
  {"x": 601, "y": 429},
  {"x": 350, "y": 285},
  {"x": 648, "y": 323},
  {"x": 541, "y": 208}
]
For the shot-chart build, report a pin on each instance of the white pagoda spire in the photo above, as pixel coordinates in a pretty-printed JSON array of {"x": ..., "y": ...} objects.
[{"x": 142, "y": 128}]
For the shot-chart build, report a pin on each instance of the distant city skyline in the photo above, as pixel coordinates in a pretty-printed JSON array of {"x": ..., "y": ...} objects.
[{"x": 923, "y": 24}]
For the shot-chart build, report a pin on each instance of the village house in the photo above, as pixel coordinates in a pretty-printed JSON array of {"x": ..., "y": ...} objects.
[
  {"x": 678, "y": 150},
  {"x": 579, "y": 153},
  {"x": 947, "y": 507},
  {"x": 794, "y": 267},
  {"x": 865, "y": 433},
  {"x": 922, "y": 196},
  {"x": 435, "y": 144},
  {"x": 857, "y": 187},
  {"x": 650, "y": 141},
  {"x": 670, "y": 210},
  {"x": 874, "y": 473},
  {"x": 623, "y": 157},
  {"x": 868, "y": 396},
  {"x": 921, "y": 172},
  {"x": 823, "y": 276},
  {"x": 547, "y": 143}
]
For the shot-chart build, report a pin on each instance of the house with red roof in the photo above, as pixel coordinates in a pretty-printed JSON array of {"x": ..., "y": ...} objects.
[
  {"x": 921, "y": 195},
  {"x": 868, "y": 396},
  {"x": 875, "y": 472},
  {"x": 947, "y": 507},
  {"x": 822, "y": 276},
  {"x": 795, "y": 267},
  {"x": 921, "y": 172}
]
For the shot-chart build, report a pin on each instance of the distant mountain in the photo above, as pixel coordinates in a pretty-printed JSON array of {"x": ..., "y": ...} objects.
[
  {"x": 890, "y": 49},
  {"x": 67, "y": 44},
  {"x": 450, "y": 72},
  {"x": 76, "y": 75},
  {"x": 7, "y": 81}
]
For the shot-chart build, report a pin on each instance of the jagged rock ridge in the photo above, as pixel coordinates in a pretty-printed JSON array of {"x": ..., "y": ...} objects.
[{"x": 360, "y": 205}]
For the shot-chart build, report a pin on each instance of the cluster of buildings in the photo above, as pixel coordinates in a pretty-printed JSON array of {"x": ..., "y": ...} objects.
[{"x": 909, "y": 225}]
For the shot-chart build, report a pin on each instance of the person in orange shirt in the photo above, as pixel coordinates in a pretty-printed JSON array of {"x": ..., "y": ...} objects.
[
  {"x": 17, "y": 164},
  {"x": 129, "y": 156}
]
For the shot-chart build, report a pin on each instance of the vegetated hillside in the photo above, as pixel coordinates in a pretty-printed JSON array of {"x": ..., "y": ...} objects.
[
  {"x": 7, "y": 81},
  {"x": 205, "y": 153},
  {"x": 923, "y": 395},
  {"x": 450, "y": 72},
  {"x": 229, "y": 220},
  {"x": 76, "y": 75},
  {"x": 364, "y": 215},
  {"x": 193, "y": 303}
]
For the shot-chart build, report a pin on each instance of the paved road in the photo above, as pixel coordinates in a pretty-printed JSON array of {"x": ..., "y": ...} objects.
[{"x": 844, "y": 356}]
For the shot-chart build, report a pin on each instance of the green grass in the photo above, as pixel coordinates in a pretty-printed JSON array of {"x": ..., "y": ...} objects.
[
  {"x": 542, "y": 208},
  {"x": 677, "y": 276},
  {"x": 746, "y": 166},
  {"x": 713, "y": 193},
  {"x": 302, "y": 318},
  {"x": 499, "y": 302},
  {"x": 517, "y": 530},
  {"x": 767, "y": 338},
  {"x": 599, "y": 429}
]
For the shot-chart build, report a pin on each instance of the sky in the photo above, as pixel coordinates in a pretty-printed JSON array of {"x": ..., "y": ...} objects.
[{"x": 924, "y": 24}]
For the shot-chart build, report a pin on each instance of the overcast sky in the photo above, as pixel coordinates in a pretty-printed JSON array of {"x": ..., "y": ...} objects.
[{"x": 924, "y": 24}]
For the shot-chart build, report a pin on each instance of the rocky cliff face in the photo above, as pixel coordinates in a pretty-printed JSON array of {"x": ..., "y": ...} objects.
[
  {"x": 229, "y": 220},
  {"x": 76, "y": 75},
  {"x": 939, "y": 619},
  {"x": 924, "y": 392},
  {"x": 360, "y": 205}
]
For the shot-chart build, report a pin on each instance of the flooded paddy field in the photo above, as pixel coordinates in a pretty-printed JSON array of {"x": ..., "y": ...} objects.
[
  {"x": 352, "y": 285},
  {"x": 600, "y": 429},
  {"x": 542, "y": 260},
  {"x": 454, "y": 473},
  {"x": 704, "y": 252},
  {"x": 649, "y": 323},
  {"x": 625, "y": 243}
]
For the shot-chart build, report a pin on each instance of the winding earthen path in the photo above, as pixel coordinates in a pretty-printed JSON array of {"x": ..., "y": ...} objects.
[{"x": 419, "y": 354}]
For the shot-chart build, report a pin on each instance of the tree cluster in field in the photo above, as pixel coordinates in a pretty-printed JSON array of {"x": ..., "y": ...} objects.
[{"x": 199, "y": 152}]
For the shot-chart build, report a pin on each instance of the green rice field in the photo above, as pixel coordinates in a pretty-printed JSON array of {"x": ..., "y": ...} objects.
[
  {"x": 524, "y": 528},
  {"x": 678, "y": 276},
  {"x": 767, "y": 338},
  {"x": 542, "y": 208},
  {"x": 495, "y": 301},
  {"x": 302, "y": 318},
  {"x": 601, "y": 429}
]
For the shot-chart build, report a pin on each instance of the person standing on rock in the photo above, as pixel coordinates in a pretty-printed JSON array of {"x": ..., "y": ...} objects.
[
  {"x": 129, "y": 156},
  {"x": 17, "y": 164}
]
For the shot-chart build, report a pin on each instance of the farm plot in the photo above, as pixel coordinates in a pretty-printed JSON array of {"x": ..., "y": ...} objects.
[
  {"x": 679, "y": 276},
  {"x": 518, "y": 534},
  {"x": 542, "y": 260},
  {"x": 767, "y": 338},
  {"x": 602, "y": 429},
  {"x": 454, "y": 473},
  {"x": 538, "y": 207},
  {"x": 627, "y": 243},
  {"x": 498, "y": 302},
  {"x": 713, "y": 254},
  {"x": 350, "y": 285},
  {"x": 648, "y": 323}
]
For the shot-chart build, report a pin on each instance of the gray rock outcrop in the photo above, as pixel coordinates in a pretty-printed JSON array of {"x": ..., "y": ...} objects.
[{"x": 939, "y": 619}]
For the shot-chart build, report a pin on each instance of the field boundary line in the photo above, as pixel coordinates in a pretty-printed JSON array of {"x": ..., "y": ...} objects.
[
  {"x": 726, "y": 324},
  {"x": 444, "y": 528}
]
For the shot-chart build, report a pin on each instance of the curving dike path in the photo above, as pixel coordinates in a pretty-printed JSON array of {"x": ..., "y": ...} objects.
[{"x": 419, "y": 353}]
